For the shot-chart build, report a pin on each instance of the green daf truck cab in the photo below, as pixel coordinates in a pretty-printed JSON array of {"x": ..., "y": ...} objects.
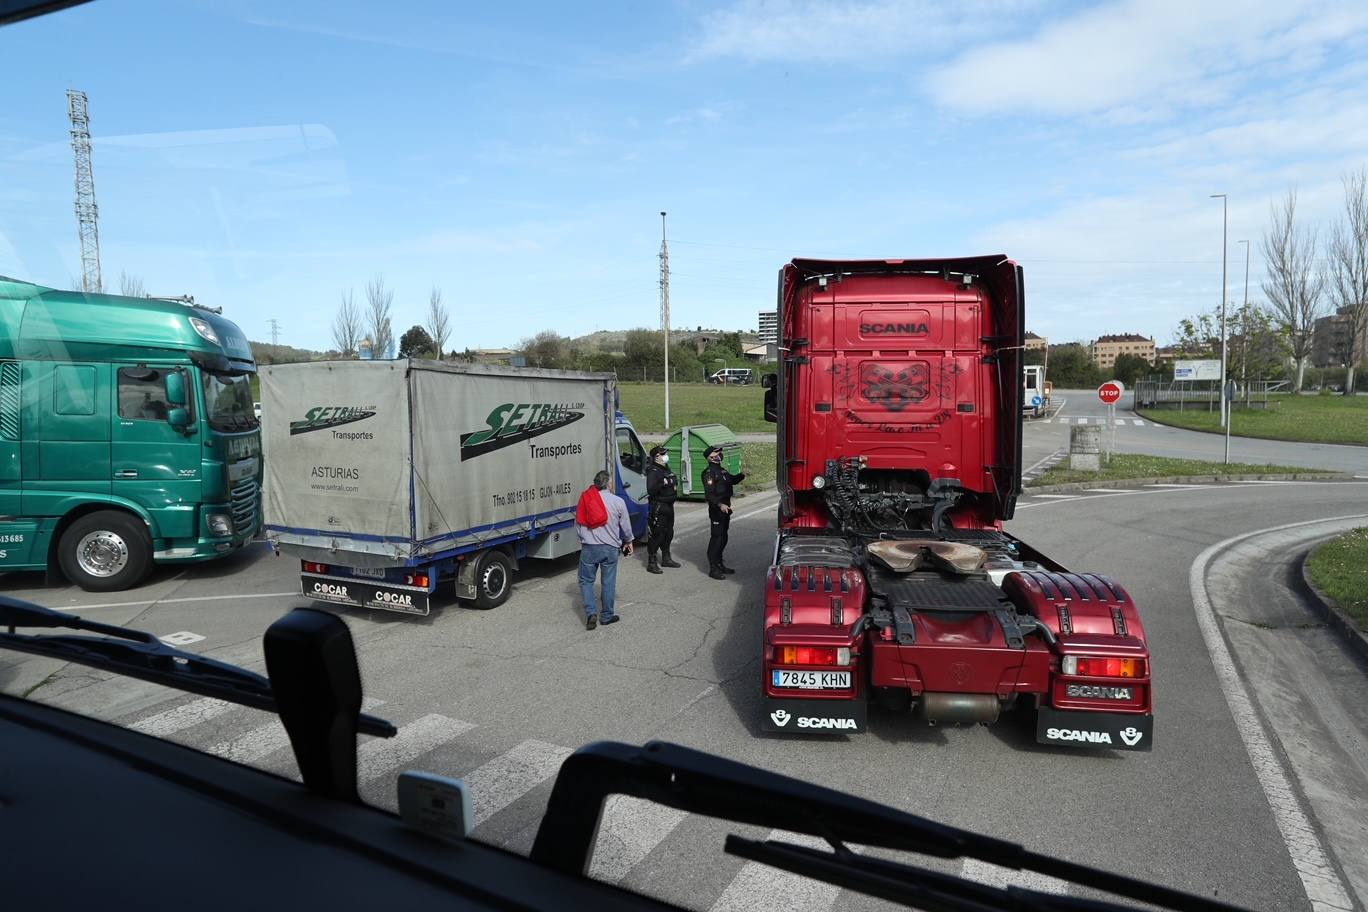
[{"x": 127, "y": 435}]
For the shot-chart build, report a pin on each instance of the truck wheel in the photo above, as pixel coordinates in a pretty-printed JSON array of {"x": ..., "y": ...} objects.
[
  {"x": 106, "y": 551},
  {"x": 493, "y": 579}
]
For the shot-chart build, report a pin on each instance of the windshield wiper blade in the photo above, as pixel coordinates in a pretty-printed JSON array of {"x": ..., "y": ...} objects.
[
  {"x": 920, "y": 888},
  {"x": 138, "y": 654},
  {"x": 693, "y": 781}
]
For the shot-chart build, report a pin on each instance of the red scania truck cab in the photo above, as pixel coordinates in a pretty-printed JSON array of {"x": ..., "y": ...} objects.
[{"x": 898, "y": 406}]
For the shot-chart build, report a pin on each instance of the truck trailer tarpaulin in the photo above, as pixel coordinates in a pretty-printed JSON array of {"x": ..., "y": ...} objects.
[{"x": 397, "y": 461}]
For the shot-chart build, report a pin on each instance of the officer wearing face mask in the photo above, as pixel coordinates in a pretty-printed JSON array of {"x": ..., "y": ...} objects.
[
  {"x": 717, "y": 485},
  {"x": 661, "y": 494}
]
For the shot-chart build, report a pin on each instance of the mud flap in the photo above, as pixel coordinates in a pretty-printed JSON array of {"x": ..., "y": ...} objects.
[
  {"x": 1117, "y": 731},
  {"x": 813, "y": 717}
]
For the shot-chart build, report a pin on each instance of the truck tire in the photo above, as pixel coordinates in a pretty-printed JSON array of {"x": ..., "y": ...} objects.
[
  {"x": 106, "y": 551},
  {"x": 493, "y": 579}
]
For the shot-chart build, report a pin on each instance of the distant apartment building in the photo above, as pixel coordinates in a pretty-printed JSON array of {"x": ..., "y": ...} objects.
[
  {"x": 769, "y": 327},
  {"x": 1036, "y": 343},
  {"x": 1107, "y": 349},
  {"x": 1330, "y": 341}
]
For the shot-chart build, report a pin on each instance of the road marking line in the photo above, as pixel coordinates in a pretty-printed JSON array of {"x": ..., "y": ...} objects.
[
  {"x": 1110, "y": 491},
  {"x": 255, "y": 744},
  {"x": 1324, "y": 888},
  {"x": 178, "y": 601},
  {"x": 992, "y": 875},
  {"x": 376, "y": 758},
  {"x": 630, "y": 830},
  {"x": 1136, "y": 421},
  {"x": 1054, "y": 455},
  {"x": 1056, "y": 496},
  {"x": 167, "y": 723},
  {"x": 263, "y": 740},
  {"x": 509, "y": 776},
  {"x": 1178, "y": 485},
  {"x": 183, "y": 638},
  {"x": 761, "y": 888}
]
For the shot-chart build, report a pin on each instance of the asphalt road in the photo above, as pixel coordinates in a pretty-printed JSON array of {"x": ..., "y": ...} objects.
[
  {"x": 499, "y": 698},
  {"x": 1134, "y": 434}
]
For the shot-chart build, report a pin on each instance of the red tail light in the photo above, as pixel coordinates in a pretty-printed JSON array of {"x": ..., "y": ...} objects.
[
  {"x": 812, "y": 655},
  {"x": 311, "y": 567},
  {"x": 417, "y": 579},
  {"x": 1096, "y": 667}
]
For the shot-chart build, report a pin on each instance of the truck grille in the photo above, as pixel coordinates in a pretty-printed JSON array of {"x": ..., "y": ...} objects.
[{"x": 243, "y": 496}]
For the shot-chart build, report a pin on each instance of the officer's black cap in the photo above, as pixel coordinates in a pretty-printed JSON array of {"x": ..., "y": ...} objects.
[
  {"x": 710, "y": 450},
  {"x": 657, "y": 450}
]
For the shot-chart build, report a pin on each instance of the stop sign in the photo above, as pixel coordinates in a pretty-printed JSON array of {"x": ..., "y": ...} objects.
[{"x": 1110, "y": 392}]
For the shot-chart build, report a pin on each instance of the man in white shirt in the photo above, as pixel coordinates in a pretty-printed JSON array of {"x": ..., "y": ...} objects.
[{"x": 599, "y": 550}]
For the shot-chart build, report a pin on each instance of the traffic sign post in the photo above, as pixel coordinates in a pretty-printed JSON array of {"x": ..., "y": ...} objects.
[
  {"x": 1110, "y": 394},
  {"x": 1229, "y": 396}
]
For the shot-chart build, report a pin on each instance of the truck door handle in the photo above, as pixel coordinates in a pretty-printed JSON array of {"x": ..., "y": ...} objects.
[{"x": 126, "y": 473}]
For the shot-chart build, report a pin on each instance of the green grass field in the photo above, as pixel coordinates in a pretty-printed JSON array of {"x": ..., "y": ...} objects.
[
  {"x": 1340, "y": 569},
  {"x": 740, "y": 408},
  {"x": 1125, "y": 466},
  {"x": 757, "y": 461},
  {"x": 1313, "y": 419}
]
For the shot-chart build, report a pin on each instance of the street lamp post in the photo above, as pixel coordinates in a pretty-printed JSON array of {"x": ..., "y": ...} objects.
[{"x": 1224, "y": 226}]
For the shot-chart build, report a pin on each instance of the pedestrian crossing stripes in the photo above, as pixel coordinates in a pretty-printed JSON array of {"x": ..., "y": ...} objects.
[
  {"x": 1094, "y": 419},
  {"x": 630, "y": 831}
]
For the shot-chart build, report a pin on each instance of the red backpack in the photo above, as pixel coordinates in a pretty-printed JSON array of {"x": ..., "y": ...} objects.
[{"x": 590, "y": 512}]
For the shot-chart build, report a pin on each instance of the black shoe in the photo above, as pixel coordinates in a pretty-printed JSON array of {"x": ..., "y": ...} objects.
[
  {"x": 727, "y": 570},
  {"x": 612, "y": 620},
  {"x": 667, "y": 561},
  {"x": 653, "y": 567},
  {"x": 591, "y": 622},
  {"x": 717, "y": 574}
]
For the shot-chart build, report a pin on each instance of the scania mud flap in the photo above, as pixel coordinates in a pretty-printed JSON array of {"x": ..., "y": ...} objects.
[
  {"x": 1115, "y": 731},
  {"x": 813, "y": 717},
  {"x": 365, "y": 594}
]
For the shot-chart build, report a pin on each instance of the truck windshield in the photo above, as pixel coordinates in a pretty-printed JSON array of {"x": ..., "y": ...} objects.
[{"x": 228, "y": 401}]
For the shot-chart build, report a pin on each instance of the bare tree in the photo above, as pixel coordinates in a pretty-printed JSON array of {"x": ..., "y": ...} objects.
[
  {"x": 131, "y": 286},
  {"x": 1294, "y": 284},
  {"x": 1349, "y": 269},
  {"x": 438, "y": 323},
  {"x": 347, "y": 326},
  {"x": 379, "y": 303}
]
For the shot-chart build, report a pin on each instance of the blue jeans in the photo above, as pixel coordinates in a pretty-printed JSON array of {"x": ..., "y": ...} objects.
[{"x": 594, "y": 558}]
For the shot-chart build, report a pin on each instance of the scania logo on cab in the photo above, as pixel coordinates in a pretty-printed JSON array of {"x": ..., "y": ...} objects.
[
  {"x": 899, "y": 329},
  {"x": 322, "y": 417},
  {"x": 514, "y": 422}
]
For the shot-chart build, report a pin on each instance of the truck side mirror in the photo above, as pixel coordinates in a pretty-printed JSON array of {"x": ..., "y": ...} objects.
[
  {"x": 771, "y": 404},
  {"x": 175, "y": 388},
  {"x": 178, "y": 418}
]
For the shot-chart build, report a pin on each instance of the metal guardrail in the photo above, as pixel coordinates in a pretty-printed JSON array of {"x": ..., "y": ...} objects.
[{"x": 1182, "y": 394}]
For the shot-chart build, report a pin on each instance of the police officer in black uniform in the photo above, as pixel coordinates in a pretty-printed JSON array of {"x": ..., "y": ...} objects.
[
  {"x": 661, "y": 494},
  {"x": 717, "y": 485}
]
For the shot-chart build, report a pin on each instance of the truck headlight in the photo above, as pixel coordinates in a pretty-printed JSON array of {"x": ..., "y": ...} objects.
[
  {"x": 220, "y": 523},
  {"x": 205, "y": 331},
  {"x": 819, "y": 481}
]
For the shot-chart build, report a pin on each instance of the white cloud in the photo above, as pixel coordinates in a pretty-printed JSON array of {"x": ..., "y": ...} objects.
[
  {"x": 1140, "y": 262},
  {"x": 812, "y": 30},
  {"x": 1138, "y": 54},
  {"x": 706, "y": 113}
]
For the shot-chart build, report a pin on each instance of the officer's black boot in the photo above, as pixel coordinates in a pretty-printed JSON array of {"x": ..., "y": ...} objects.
[
  {"x": 667, "y": 561},
  {"x": 716, "y": 573},
  {"x": 651, "y": 565}
]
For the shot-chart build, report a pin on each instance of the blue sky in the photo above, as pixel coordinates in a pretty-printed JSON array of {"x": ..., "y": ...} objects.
[{"x": 267, "y": 157}]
